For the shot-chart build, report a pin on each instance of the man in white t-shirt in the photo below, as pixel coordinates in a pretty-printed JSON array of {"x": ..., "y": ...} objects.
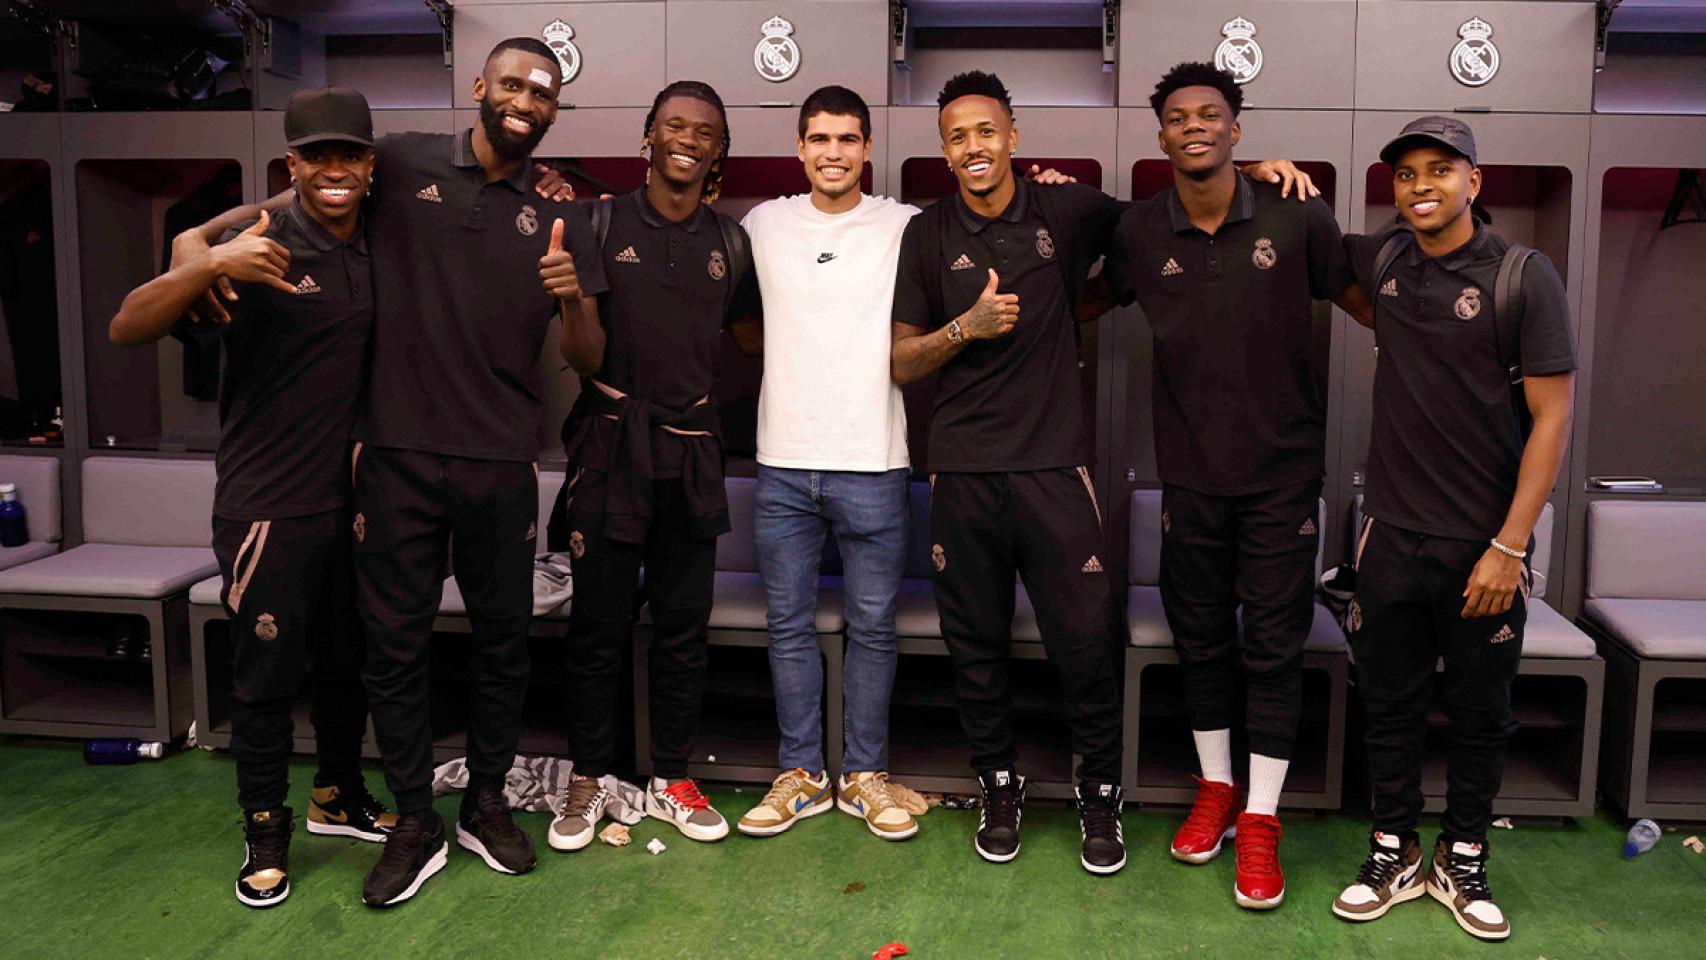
[{"x": 832, "y": 461}]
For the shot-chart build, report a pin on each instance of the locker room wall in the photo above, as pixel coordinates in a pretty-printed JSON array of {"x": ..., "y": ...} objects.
[{"x": 1338, "y": 79}]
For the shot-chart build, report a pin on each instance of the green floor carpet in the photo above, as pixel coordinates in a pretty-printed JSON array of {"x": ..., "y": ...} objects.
[{"x": 138, "y": 862}]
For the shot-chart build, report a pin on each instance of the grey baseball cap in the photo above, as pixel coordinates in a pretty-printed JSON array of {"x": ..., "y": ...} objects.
[{"x": 1448, "y": 132}]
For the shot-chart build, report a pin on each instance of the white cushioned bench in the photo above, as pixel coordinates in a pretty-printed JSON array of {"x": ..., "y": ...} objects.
[
  {"x": 1646, "y": 600},
  {"x": 147, "y": 529}
]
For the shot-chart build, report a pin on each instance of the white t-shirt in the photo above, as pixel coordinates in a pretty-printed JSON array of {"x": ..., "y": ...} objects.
[{"x": 827, "y": 401}]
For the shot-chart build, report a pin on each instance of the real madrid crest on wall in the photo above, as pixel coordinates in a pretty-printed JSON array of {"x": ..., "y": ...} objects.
[
  {"x": 777, "y": 56},
  {"x": 1239, "y": 54},
  {"x": 559, "y": 36},
  {"x": 1474, "y": 60}
]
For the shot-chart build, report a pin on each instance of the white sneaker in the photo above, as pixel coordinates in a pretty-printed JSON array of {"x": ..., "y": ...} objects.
[
  {"x": 584, "y": 800},
  {"x": 1458, "y": 879},
  {"x": 794, "y": 796},
  {"x": 682, "y": 804}
]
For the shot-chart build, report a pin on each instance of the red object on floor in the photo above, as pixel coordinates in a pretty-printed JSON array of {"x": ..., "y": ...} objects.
[
  {"x": 1261, "y": 883},
  {"x": 890, "y": 952}
]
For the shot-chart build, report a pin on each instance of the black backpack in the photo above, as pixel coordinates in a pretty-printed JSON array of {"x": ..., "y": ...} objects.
[{"x": 1507, "y": 301}]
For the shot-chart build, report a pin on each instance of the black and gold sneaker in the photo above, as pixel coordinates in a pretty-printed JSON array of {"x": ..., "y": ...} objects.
[
  {"x": 332, "y": 812},
  {"x": 264, "y": 880}
]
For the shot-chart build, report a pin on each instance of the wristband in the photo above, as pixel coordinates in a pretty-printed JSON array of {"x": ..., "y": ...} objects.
[{"x": 1507, "y": 551}]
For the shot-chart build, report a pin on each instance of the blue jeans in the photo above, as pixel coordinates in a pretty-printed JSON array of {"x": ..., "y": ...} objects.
[{"x": 792, "y": 512}]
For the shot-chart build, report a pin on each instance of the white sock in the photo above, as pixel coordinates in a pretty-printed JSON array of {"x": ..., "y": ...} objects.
[
  {"x": 1214, "y": 752},
  {"x": 1267, "y": 778}
]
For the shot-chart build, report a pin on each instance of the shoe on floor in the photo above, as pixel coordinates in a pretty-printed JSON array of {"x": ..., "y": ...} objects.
[
  {"x": 1099, "y": 827},
  {"x": 414, "y": 851},
  {"x": 682, "y": 804},
  {"x": 1260, "y": 883},
  {"x": 332, "y": 812},
  {"x": 998, "y": 822},
  {"x": 1213, "y": 818},
  {"x": 1458, "y": 879},
  {"x": 1391, "y": 875},
  {"x": 486, "y": 826},
  {"x": 574, "y": 826},
  {"x": 793, "y": 796},
  {"x": 264, "y": 880},
  {"x": 866, "y": 795}
]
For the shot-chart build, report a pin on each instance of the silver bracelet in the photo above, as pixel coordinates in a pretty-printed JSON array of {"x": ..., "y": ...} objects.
[{"x": 1507, "y": 551}]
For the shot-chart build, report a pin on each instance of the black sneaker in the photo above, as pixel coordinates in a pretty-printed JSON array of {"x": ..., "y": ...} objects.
[
  {"x": 264, "y": 880},
  {"x": 332, "y": 812},
  {"x": 414, "y": 851},
  {"x": 998, "y": 825},
  {"x": 486, "y": 827},
  {"x": 1458, "y": 878},
  {"x": 1099, "y": 824}
]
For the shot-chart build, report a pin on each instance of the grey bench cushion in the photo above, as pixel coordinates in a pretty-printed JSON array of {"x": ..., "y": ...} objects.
[
  {"x": 112, "y": 570},
  {"x": 1548, "y": 634},
  {"x": 208, "y": 593},
  {"x": 916, "y": 615},
  {"x": 152, "y": 503},
  {"x": 1660, "y": 629},
  {"x": 37, "y": 479},
  {"x": 1647, "y": 550},
  {"x": 740, "y": 603},
  {"x": 25, "y": 553},
  {"x": 1146, "y": 624}
]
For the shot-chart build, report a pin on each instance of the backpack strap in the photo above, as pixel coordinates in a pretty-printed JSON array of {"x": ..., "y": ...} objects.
[
  {"x": 601, "y": 213},
  {"x": 1507, "y": 300},
  {"x": 734, "y": 240},
  {"x": 1389, "y": 251}
]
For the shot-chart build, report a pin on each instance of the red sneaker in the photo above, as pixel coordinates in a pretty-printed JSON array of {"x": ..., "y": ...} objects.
[
  {"x": 1211, "y": 821},
  {"x": 1261, "y": 884}
]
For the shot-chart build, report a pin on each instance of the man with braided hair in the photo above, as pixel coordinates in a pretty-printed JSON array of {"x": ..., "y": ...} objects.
[{"x": 645, "y": 458}]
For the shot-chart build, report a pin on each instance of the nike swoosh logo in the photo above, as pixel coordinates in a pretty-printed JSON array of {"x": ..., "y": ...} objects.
[
  {"x": 825, "y": 257},
  {"x": 331, "y": 817}
]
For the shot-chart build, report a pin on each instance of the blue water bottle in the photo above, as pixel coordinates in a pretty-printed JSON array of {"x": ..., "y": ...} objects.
[
  {"x": 14, "y": 529},
  {"x": 102, "y": 752}
]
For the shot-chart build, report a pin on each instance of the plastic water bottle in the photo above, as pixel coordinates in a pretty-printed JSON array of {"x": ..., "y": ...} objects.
[
  {"x": 122, "y": 751},
  {"x": 14, "y": 530},
  {"x": 1643, "y": 836}
]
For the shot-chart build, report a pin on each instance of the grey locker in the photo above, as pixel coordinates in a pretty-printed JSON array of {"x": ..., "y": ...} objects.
[
  {"x": 125, "y": 170},
  {"x": 740, "y": 48},
  {"x": 617, "y": 48},
  {"x": 1296, "y": 53},
  {"x": 1406, "y": 51},
  {"x": 1638, "y": 389}
]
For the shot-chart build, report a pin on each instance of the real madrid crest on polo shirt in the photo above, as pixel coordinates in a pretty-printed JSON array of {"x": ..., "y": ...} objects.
[
  {"x": 1474, "y": 60},
  {"x": 559, "y": 36},
  {"x": 1239, "y": 54},
  {"x": 1264, "y": 256},
  {"x": 1045, "y": 244},
  {"x": 716, "y": 267},
  {"x": 777, "y": 56},
  {"x": 527, "y": 221},
  {"x": 1469, "y": 304}
]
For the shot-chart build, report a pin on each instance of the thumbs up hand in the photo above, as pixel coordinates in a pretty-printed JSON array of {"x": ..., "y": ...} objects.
[
  {"x": 557, "y": 267},
  {"x": 253, "y": 257},
  {"x": 993, "y": 315}
]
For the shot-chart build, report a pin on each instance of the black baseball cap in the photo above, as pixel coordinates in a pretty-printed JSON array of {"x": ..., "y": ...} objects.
[
  {"x": 327, "y": 113},
  {"x": 1448, "y": 132}
]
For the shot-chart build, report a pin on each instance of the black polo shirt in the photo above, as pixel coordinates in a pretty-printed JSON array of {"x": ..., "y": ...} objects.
[
  {"x": 1239, "y": 405},
  {"x": 460, "y": 314},
  {"x": 671, "y": 293},
  {"x": 293, "y": 365},
  {"x": 1445, "y": 445},
  {"x": 1017, "y": 402}
]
